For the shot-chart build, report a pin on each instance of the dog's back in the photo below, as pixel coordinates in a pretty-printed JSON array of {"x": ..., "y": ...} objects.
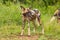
[{"x": 32, "y": 14}]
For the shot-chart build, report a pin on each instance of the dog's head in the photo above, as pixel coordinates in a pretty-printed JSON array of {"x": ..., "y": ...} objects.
[
  {"x": 25, "y": 10},
  {"x": 57, "y": 12}
]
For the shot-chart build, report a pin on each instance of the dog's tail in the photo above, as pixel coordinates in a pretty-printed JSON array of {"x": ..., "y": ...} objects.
[{"x": 38, "y": 20}]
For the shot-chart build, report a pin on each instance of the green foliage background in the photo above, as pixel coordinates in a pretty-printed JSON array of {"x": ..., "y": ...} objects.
[{"x": 11, "y": 19}]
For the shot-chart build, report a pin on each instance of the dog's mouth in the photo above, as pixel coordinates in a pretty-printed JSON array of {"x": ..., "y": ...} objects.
[{"x": 24, "y": 14}]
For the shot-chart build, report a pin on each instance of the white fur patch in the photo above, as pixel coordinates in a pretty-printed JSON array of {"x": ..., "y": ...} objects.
[{"x": 32, "y": 12}]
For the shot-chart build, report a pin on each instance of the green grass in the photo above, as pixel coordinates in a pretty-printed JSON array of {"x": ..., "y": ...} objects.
[{"x": 11, "y": 20}]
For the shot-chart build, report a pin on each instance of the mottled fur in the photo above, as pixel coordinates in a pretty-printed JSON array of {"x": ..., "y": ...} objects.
[
  {"x": 57, "y": 14},
  {"x": 29, "y": 15}
]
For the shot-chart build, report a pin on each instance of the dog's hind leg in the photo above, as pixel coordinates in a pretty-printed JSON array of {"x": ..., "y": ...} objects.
[{"x": 40, "y": 23}]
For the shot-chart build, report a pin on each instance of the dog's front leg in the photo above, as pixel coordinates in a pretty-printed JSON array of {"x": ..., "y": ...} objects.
[
  {"x": 28, "y": 27},
  {"x": 23, "y": 25},
  {"x": 34, "y": 23}
]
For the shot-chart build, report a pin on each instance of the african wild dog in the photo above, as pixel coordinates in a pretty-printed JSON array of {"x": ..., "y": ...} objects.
[
  {"x": 30, "y": 15},
  {"x": 56, "y": 15}
]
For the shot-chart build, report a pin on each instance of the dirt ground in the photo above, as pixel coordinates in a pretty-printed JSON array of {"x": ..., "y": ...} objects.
[{"x": 24, "y": 37}]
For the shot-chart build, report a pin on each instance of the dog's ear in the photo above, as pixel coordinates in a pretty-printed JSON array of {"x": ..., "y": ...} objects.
[{"x": 22, "y": 7}]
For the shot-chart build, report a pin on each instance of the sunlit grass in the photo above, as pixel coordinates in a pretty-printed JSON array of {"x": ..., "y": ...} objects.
[{"x": 9, "y": 30}]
